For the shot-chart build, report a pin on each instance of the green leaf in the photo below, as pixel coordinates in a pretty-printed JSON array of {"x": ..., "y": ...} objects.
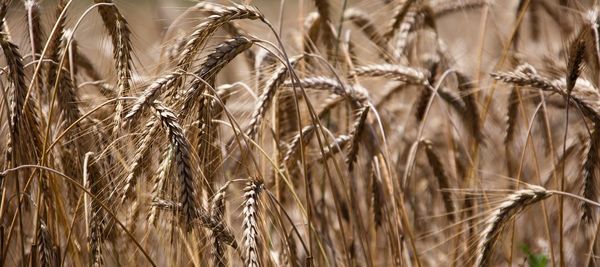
[{"x": 534, "y": 260}]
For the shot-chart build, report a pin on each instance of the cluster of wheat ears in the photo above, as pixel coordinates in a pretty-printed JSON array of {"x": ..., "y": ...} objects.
[{"x": 363, "y": 133}]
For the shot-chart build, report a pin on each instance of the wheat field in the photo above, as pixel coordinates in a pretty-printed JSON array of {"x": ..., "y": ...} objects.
[{"x": 300, "y": 133}]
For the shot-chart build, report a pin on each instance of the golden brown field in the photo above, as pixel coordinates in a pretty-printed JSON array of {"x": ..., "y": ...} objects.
[{"x": 299, "y": 133}]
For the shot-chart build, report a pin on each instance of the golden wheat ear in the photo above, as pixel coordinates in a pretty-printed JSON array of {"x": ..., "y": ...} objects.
[
  {"x": 250, "y": 224},
  {"x": 183, "y": 161},
  {"x": 204, "y": 30},
  {"x": 212, "y": 65},
  {"x": 510, "y": 207},
  {"x": 269, "y": 93},
  {"x": 120, "y": 34}
]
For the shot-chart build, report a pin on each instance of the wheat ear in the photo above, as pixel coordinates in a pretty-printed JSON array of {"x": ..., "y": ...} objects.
[
  {"x": 442, "y": 178},
  {"x": 118, "y": 29},
  {"x": 355, "y": 136},
  {"x": 215, "y": 61},
  {"x": 250, "y": 224},
  {"x": 269, "y": 92},
  {"x": 507, "y": 210},
  {"x": 183, "y": 160},
  {"x": 393, "y": 71},
  {"x": 589, "y": 174},
  {"x": 202, "y": 32}
]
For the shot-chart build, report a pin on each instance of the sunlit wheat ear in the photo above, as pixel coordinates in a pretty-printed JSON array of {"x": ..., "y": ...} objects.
[
  {"x": 148, "y": 136},
  {"x": 526, "y": 75},
  {"x": 266, "y": 98},
  {"x": 163, "y": 171},
  {"x": 584, "y": 96},
  {"x": 442, "y": 178},
  {"x": 204, "y": 30},
  {"x": 443, "y": 8},
  {"x": 355, "y": 93},
  {"x": 413, "y": 20},
  {"x": 336, "y": 146},
  {"x": 183, "y": 161},
  {"x": 250, "y": 224},
  {"x": 355, "y": 136},
  {"x": 212, "y": 9},
  {"x": 118, "y": 29},
  {"x": 501, "y": 215},
  {"x": 399, "y": 17},
  {"x": 392, "y": 71},
  {"x": 589, "y": 173},
  {"x": 17, "y": 79},
  {"x": 294, "y": 145},
  {"x": 150, "y": 94},
  {"x": 214, "y": 62}
]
